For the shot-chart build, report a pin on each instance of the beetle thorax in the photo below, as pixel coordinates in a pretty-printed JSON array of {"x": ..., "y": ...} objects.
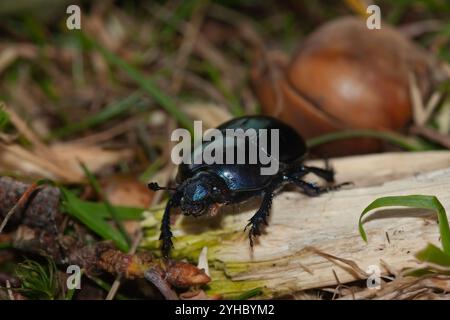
[{"x": 202, "y": 193}]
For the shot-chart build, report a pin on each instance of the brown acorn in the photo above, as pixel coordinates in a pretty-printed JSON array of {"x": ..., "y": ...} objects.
[{"x": 345, "y": 76}]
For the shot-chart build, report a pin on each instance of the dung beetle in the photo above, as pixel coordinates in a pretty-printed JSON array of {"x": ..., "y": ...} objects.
[{"x": 203, "y": 188}]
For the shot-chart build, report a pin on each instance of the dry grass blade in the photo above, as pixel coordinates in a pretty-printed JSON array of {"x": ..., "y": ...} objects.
[
  {"x": 57, "y": 161},
  {"x": 421, "y": 111},
  {"x": 8, "y": 289},
  {"x": 352, "y": 264},
  {"x": 190, "y": 37},
  {"x": 404, "y": 288},
  {"x": 40, "y": 148},
  {"x": 17, "y": 158}
]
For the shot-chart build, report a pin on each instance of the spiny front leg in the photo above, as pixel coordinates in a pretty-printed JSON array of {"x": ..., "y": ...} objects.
[
  {"x": 261, "y": 215},
  {"x": 166, "y": 233}
]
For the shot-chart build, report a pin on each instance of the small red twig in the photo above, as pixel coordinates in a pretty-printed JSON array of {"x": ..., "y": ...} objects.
[{"x": 21, "y": 203}]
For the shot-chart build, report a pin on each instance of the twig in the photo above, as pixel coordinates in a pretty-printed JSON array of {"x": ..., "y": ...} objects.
[
  {"x": 116, "y": 284},
  {"x": 21, "y": 203},
  {"x": 40, "y": 212},
  {"x": 104, "y": 256},
  {"x": 156, "y": 278}
]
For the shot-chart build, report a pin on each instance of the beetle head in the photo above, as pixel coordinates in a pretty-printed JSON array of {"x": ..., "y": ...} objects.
[{"x": 203, "y": 194}]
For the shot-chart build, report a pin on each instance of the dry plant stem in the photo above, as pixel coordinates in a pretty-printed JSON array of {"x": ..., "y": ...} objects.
[
  {"x": 116, "y": 284},
  {"x": 41, "y": 149},
  {"x": 156, "y": 278},
  {"x": 54, "y": 169},
  {"x": 347, "y": 262},
  {"x": 185, "y": 50},
  {"x": 103, "y": 136},
  {"x": 20, "y": 204},
  {"x": 55, "y": 161},
  {"x": 421, "y": 111},
  {"x": 198, "y": 83},
  {"x": 31, "y": 51},
  {"x": 8, "y": 288}
]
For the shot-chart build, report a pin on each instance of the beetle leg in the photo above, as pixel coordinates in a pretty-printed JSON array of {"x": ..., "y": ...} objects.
[
  {"x": 261, "y": 215},
  {"x": 166, "y": 233},
  {"x": 300, "y": 170},
  {"x": 326, "y": 174},
  {"x": 312, "y": 189}
]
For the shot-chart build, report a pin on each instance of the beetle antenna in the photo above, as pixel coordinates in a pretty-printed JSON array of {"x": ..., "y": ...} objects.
[{"x": 155, "y": 187}]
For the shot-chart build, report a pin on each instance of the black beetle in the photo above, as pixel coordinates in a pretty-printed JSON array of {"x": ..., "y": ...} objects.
[{"x": 203, "y": 188}]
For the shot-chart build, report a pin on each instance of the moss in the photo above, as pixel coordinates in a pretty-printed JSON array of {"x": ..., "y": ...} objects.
[
  {"x": 229, "y": 289},
  {"x": 189, "y": 246}
]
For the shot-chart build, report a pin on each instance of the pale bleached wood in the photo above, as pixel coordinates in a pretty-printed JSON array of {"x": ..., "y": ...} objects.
[
  {"x": 282, "y": 261},
  {"x": 373, "y": 169}
]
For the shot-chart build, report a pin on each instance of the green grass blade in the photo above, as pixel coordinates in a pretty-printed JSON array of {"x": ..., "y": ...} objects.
[
  {"x": 5, "y": 245},
  {"x": 144, "y": 82},
  {"x": 75, "y": 207},
  {"x": 250, "y": 294},
  {"x": 151, "y": 170},
  {"x": 108, "y": 205},
  {"x": 391, "y": 137},
  {"x": 413, "y": 201},
  {"x": 434, "y": 254},
  {"x": 100, "y": 210},
  {"x": 109, "y": 112},
  {"x": 4, "y": 117}
]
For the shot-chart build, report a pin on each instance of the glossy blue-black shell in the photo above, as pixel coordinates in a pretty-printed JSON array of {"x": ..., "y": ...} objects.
[{"x": 248, "y": 177}]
